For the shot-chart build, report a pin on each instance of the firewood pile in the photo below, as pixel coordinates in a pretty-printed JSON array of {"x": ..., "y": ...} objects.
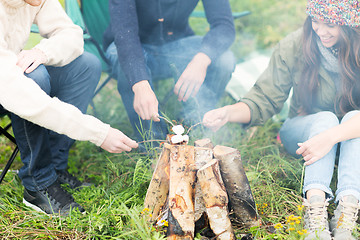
[{"x": 200, "y": 186}]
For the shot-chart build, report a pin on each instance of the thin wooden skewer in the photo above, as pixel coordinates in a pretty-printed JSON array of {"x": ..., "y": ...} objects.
[
  {"x": 166, "y": 120},
  {"x": 193, "y": 127},
  {"x": 152, "y": 140}
]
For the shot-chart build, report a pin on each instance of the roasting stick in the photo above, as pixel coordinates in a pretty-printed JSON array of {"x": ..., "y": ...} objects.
[
  {"x": 193, "y": 127},
  {"x": 166, "y": 120},
  {"x": 157, "y": 140},
  {"x": 152, "y": 140}
]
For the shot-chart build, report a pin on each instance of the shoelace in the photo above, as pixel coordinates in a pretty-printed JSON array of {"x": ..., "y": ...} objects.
[
  {"x": 317, "y": 215},
  {"x": 67, "y": 177},
  {"x": 348, "y": 216},
  {"x": 59, "y": 195}
]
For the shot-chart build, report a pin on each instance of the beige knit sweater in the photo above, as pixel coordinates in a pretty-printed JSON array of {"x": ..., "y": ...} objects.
[{"x": 62, "y": 43}]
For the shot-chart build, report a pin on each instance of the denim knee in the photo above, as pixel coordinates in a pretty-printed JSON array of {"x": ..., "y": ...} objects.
[
  {"x": 349, "y": 115},
  {"x": 326, "y": 116},
  {"x": 91, "y": 64},
  {"x": 323, "y": 121},
  {"x": 41, "y": 76},
  {"x": 226, "y": 62},
  {"x": 217, "y": 77},
  {"x": 301, "y": 128}
]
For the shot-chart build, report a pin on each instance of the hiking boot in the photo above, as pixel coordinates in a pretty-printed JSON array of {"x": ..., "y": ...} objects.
[
  {"x": 51, "y": 200},
  {"x": 315, "y": 218},
  {"x": 344, "y": 220},
  {"x": 64, "y": 177}
]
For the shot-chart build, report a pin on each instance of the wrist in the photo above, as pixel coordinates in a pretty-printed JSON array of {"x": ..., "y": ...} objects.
[
  {"x": 139, "y": 86},
  {"x": 203, "y": 59},
  {"x": 44, "y": 58},
  {"x": 239, "y": 113},
  {"x": 334, "y": 136}
]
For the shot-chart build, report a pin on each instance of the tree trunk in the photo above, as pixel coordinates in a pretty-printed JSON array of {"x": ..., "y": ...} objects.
[
  {"x": 181, "y": 192},
  {"x": 237, "y": 185},
  {"x": 158, "y": 190},
  {"x": 216, "y": 200}
]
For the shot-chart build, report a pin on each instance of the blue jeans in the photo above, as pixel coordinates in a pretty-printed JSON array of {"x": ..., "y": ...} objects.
[
  {"x": 44, "y": 151},
  {"x": 169, "y": 61},
  {"x": 319, "y": 174}
]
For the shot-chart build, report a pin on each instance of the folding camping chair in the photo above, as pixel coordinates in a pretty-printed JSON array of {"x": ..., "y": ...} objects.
[
  {"x": 4, "y": 131},
  {"x": 93, "y": 17}
]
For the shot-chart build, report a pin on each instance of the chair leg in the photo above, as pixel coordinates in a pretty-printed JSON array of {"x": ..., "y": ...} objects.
[
  {"x": 8, "y": 164},
  {"x": 97, "y": 91},
  {"x": 3, "y": 131}
]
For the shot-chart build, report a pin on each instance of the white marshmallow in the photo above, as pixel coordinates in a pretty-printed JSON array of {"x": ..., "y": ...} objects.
[
  {"x": 176, "y": 139},
  {"x": 179, "y": 138},
  {"x": 178, "y": 129}
]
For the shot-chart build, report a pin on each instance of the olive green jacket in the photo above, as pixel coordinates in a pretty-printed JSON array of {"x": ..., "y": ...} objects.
[{"x": 267, "y": 97}]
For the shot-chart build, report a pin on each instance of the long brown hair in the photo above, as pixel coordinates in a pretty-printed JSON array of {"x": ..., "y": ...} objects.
[{"x": 349, "y": 65}]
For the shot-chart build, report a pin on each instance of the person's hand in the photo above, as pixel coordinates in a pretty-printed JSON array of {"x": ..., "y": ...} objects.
[
  {"x": 192, "y": 78},
  {"x": 34, "y": 3},
  {"x": 29, "y": 60},
  {"x": 315, "y": 148},
  {"x": 117, "y": 142},
  {"x": 145, "y": 101},
  {"x": 216, "y": 118}
]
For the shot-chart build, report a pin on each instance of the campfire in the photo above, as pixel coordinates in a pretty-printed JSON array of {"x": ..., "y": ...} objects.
[{"x": 199, "y": 185}]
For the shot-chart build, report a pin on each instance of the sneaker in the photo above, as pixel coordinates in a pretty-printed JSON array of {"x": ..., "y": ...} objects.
[
  {"x": 344, "y": 220},
  {"x": 51, "y": 200},
  {"x": 64, "y": 177},
  {"x": 315, "y": 218}
]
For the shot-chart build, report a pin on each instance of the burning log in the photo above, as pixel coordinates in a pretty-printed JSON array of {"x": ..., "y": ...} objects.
[
  {"x": 158, "y": 190},
  {"x": 181, "y": 192},
  {"x": 216, "y": 200},
  {"x": 237, "y": 185}
]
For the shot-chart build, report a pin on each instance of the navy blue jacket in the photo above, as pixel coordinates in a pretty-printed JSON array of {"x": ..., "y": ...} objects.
[{"x": 156, "y": 22}]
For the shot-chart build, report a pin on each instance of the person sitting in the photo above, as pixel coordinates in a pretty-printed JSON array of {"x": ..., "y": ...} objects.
[
  {"x": 152, "y": 40},
  {"x": 321, "y": 63},
  {"x": 47, "y": 90}
]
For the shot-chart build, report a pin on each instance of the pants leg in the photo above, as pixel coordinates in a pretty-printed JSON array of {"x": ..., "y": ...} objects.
[
  {"x": 33, "y": 141},
  {"x": 75, "y": 84},
  {"x": 42, "y": 151},
  {"x": 349, "y": 165},
  {"x": 143, "y": 129},
  {"x": 299, "y": 129}
]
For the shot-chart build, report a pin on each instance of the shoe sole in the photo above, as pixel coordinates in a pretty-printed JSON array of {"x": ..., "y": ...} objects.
[
  {"x": 36, "y": 208},
  {"x": 30, "y": 205}
]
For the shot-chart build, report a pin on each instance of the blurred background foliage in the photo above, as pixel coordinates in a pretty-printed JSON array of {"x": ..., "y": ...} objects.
[{"x": 268, "y": 23}]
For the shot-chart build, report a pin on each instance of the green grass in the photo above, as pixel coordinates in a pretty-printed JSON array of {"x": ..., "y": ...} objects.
[{"x": 114, "y": 206}]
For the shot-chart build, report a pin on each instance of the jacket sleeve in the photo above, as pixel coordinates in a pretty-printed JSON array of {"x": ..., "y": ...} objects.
[
  {"x": 266, "y": 98},
  {"x": 222, "y": 31},
  {"x": 124, "y": 25},
  {"x": 63, "y": 40}
]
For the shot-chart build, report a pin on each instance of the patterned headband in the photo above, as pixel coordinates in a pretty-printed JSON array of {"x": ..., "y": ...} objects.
[{"x": 340, "y": 12}]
